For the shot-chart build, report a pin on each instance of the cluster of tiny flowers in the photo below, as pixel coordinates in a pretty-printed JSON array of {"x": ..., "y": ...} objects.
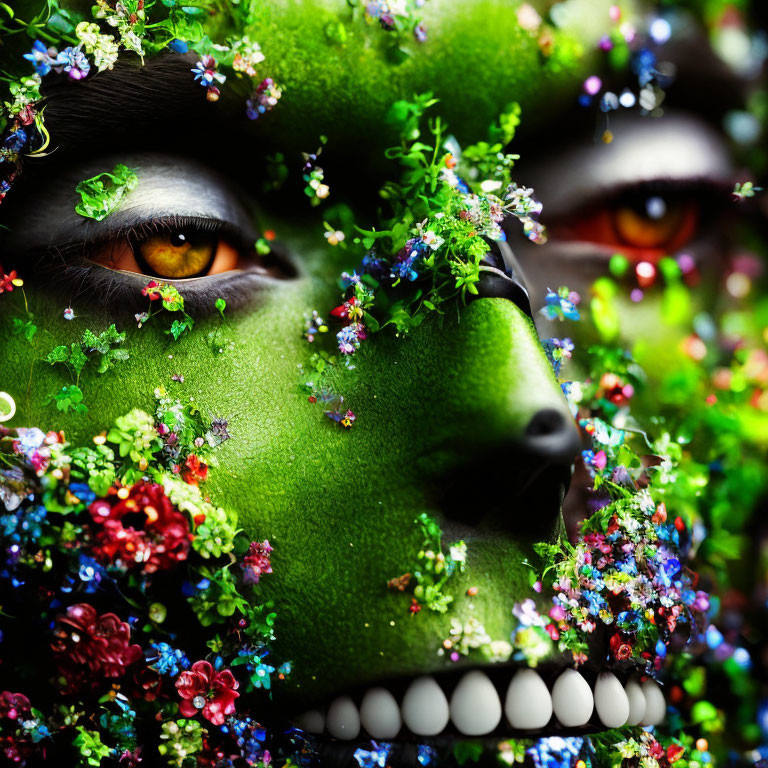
[
  {"x": 264, "y": 99},
  {"x": 111, "y": 517}
]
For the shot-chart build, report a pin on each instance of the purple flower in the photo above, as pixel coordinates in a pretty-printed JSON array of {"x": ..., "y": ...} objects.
[{"x": 73, "y": 62}]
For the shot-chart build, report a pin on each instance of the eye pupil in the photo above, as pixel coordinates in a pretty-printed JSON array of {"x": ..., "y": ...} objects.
[{"x": 178, "y": 239}]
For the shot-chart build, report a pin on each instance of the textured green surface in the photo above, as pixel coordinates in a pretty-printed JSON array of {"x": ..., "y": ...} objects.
[{"x": 338, "y": 506}]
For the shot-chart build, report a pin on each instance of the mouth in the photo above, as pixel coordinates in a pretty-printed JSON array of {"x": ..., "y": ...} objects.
[{"x": 497, "y": 702}]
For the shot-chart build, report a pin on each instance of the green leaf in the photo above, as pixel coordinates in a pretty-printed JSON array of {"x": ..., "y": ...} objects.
[
  {"x": 77, "y": 358},
  {"x": 58, "y": 354},
  {"x": 70, "y": 398},
  {"x": 102, "y": 194}
]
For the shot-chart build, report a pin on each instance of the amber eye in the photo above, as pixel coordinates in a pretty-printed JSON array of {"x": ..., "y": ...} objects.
[
  {"x": 177, "y": 254},
  {"x": 173, "y": 255},
  {"x": 644, "y": 225}
]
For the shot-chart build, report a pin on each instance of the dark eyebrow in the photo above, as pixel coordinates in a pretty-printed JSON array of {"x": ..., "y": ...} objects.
[{"x": 133, "y": 105}]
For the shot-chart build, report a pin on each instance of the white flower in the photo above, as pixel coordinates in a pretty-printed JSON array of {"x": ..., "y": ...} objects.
[
  {"x": 490, "y": 185},
  {"x": 88, "y": 34},
  {"x": 334, "y": 238},
  {"x": 431, "y": 239},
  {"x": 458, "y": 552}
]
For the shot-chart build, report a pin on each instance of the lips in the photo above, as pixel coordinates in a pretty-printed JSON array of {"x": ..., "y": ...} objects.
[{"x": 503, "y": 702}]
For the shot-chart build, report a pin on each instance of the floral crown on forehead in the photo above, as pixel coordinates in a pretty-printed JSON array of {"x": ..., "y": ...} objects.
[{"x": 112, "y": 549}]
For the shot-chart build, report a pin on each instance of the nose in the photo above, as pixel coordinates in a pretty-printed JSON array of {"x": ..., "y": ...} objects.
[
  {"x": 528, "y": 441},
  {"x": 551, "y": 437}
]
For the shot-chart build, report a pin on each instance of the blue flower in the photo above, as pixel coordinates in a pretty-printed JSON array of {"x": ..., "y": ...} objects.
[
  {"x": 167, "y": 660},
  {"x": 558, "y": 305},
  {"x": 83, "y": 492},
  {"x": 426, "y": 754},
  {"x": 594, "y": 601},
  {"x": 40, "y": 58},
  {"x": 23, "y": 525},
  {"x": 376, "y": 757},
  {"x": 644, "y": 66},
  {"x": 29, "y": 440}
]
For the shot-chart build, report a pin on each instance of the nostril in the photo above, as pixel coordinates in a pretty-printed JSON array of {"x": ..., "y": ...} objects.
[
  {"x": 546, "y": 422},
  {"x": 553, "y": 436}
]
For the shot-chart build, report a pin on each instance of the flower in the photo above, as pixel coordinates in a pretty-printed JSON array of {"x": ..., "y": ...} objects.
[
  {"x": 620, "y": 648},
  {"x": 167, "y": 660},
  {"x": 334, "y": 237},
  {"x": 8, "y": 281},
  {"x": 247, "y": 55},
  {"x": 256, "y": 561},
  {"x": 349, "y": 338},
  {"x": 14, "y": 705},
  {"x": 205, "y": 72},
  {"x": 87, "y": 646},
  {"x": 144, "y": 530},
  {"x": 263, "y": 99},
  {"x": 73, "y": 62},
  {"x": 203, "y": 689},
  {"x": 41, "y": 57}
]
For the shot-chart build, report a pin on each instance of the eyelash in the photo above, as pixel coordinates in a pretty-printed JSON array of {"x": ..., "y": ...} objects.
[{"x": 68, "y": 268}]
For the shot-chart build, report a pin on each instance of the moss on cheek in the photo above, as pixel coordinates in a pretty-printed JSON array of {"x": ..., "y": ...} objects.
[{"x": 339, "y": 507}]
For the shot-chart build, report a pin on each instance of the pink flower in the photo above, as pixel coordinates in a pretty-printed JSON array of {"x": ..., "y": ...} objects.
[
  {"x": 256, "y": 561},
  {"x": 6, "y": 281},
  {"x": 202, "y": 689},
  {"x": 13, "y": 705}
]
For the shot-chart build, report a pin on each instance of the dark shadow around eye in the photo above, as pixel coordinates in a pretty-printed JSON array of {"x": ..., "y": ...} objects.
[{"x": 644, "y": 221}]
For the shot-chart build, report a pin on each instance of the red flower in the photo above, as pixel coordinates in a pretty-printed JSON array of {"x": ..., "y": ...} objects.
[
  {"x": 89, "y": 646},
  {"x": 675, "y": 752},
  {"x": 349, "y": 310},
  {"x": 13, "y": 705},
  {"x": 143, "y": 530},
  {"x": 256, "y": 561},
  {"x": 6, "y": 281},
  {"x": 655, "y": 749},
  {"x": 202, "y": 688},
  {"x": 196, "y": 471},
  {"x": 152, "y": 289},
  {"x": 620, "y": 648}
]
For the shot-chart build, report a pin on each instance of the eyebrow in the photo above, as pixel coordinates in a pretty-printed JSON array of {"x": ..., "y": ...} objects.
[{"x": 132, "y": 105}]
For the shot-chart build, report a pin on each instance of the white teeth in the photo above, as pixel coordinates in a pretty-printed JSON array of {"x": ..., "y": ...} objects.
[
  {"x": 425, "y": 708},
  {"x": 572, "y": 699},
  {"x": 313, "y": 721},
  {"x": 528, "y": 704},
  {"x": 475, "y": 708},
  {"x": 343, "y": 721},
  {"x": 475, "y": 705},
  {"x": 636, "y": 702},
  {"x": 655, "y": 706},
  {"x": 380, "y": 714},
  {"x": 611, "y": 701}
]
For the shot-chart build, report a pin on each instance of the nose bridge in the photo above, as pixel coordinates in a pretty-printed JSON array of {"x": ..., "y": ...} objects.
[{"x": 513, "y": 394}]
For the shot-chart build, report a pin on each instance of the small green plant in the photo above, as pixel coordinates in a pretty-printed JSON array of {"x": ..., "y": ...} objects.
[{"x": 102, "y": 194}]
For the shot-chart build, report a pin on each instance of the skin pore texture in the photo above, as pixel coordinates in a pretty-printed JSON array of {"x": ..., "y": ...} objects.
[{"x": 449, "y": 415}]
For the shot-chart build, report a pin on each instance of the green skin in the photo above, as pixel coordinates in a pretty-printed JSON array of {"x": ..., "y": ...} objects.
[{"x": 338, "y": 506}]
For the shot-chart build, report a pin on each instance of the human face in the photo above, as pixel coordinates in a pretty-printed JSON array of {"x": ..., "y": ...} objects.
[{"x": 463, "y": 421}]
